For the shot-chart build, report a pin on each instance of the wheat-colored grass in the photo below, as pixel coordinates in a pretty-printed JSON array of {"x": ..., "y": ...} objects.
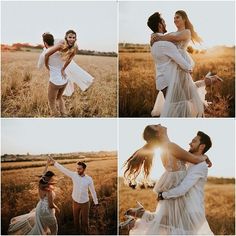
[
  {"x": 137, "y": 88},
  {"x": 219, "y": 204},
  {"x": 19, "y": 195},
  {"x": 24, "y": 87}
]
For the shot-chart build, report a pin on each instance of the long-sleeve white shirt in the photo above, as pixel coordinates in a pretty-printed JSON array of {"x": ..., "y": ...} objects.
[
  {"x": 167, "y": 56},
  {"x": 81, "y": 184},
  {"x": 195, "y": 179}
]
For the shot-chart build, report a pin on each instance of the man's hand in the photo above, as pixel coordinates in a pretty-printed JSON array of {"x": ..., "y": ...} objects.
[
  {"x": 209, "y": 163},
  {"x": 51, "y": 160},
  {"x": 160, "y": 196}
]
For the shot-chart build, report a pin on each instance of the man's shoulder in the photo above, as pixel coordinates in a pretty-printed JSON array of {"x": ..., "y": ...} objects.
[
  {"x": 88, "y": 177},
  {"x": 202, "y": 165}
]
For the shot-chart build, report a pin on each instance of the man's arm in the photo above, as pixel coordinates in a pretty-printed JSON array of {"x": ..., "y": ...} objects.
[
  {"x": 65, "y": 171},
  {"x": 41, "y": 60},
  {"x": 93, "y": 192},
  {"x": 170, "y": 50},
  {"x": 192, "y": 177}
]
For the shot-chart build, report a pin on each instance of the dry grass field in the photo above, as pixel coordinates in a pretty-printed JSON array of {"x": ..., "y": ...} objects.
[
  {"x": 24, "y": 87},
  {"x": 219, "y": 204},
  {"x": 137, "y": 89},
  {"x": 19, "y": 194}
]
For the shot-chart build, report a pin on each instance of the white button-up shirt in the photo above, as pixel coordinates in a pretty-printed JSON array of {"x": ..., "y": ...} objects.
[
  {"x": 81, "y": 184},
  {"x": 194, "y": 181},
  {"x": 167, "y": 56}
]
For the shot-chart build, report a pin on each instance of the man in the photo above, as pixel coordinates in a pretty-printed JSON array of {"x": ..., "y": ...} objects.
[
  {"x": 166, "y": 57},
  {"x": 57, "y": 81},
  {"x": 194, "y": 182},
  {"x": 81, "y": 184}
]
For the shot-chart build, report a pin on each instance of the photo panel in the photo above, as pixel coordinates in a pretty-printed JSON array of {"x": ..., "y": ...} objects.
[
  {"x": 175, "y": 47},
  {"x": 74, "y": 160},
  {"x": 45, "y": 72},
  {"x": 152, "y": 160}
]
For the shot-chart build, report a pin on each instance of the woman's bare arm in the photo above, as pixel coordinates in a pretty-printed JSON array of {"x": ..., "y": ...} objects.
[
  {"x": 51, "y": 203},
  {"x": 183, "y": 155},
  {"x": 46, "y": 167},
  {"x": 68, "y": 61},
  {"x": 184, "y": 35}
]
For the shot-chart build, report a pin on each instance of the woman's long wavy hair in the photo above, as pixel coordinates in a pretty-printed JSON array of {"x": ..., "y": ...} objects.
[
  {"x": 142, "y": 159},
  {"x": 188, "y": 25},
  {"x": 44, "y": 180},
  {"x": 68, "y": 51}
]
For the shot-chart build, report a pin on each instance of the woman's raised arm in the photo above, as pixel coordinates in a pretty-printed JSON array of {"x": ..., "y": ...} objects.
[
  {"x": 183, "y": 155},
  {"x": 182, "y": 36}
]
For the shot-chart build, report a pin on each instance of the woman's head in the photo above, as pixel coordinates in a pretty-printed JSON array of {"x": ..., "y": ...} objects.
[
  {"x": 152, "y": 134},
  {"x": 69, "y": 48},
  {"x": 142, "y": 159},
  {"x": 181, "y": 20},
  {"x": 47, "y": 180},
  {"x": 70, "y": 37}
]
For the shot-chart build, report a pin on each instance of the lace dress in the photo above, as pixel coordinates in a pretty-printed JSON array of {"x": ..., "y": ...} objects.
[
  {"x": 184, "y": 98},
  {"x": 40, "y": 221},
  {"x": 180, "y": 216}
]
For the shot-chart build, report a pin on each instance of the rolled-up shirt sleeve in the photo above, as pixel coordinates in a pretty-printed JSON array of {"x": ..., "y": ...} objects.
[
  {"x": 189, "y": 181},
  {"x": 93, "y": 192},
  {"x": 65, "y": 171}
]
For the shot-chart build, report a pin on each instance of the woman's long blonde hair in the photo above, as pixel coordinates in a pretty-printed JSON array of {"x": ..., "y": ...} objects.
[
  {"x": 188, "y": 25},
  {"x": 68, "y": 51},
  {"x": 142, "y": 159}
]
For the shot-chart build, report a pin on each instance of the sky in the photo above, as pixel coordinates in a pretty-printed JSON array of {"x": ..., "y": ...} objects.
[
  {"x": 182, "y": 131},
  {"x": 41, "y": 136},
  {"x": 213, "y": 21},
  {"x": 94, "y": 22}
]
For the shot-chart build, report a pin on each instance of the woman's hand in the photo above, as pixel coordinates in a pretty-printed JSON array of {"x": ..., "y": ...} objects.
[
  {"x": 154, "y": 38},
  {"x": 57, "y": 209},
  {"x": 63, "y": 73}
]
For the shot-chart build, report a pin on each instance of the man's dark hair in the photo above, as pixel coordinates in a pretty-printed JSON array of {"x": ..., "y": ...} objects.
[
  {"x": 80, "y": 163},
  {"x": 48, "y": 38},
  {"x": 153, "y": 21},
  {"x": 204, "y": 139}
]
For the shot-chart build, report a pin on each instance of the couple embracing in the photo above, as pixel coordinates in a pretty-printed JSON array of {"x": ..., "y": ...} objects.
[
  {"x": 179, "y": 95},
  {"x": 180, "y": 190},
  {"x": 57, "y": 57}
]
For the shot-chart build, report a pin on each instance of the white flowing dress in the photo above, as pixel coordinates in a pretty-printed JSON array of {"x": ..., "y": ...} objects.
[
  {"x": 75, "y": 74},
  {"x": 40, "y": 221},
  {"x": 179, "y": 216},
  {"x": 184, "y": 98}
]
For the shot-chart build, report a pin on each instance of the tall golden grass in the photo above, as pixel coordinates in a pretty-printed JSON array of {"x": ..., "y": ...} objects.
[
  {"x": 24, "y": 87},
  {"x": 137, "y": 89},
  {"x": 19, "y": 195},
  {"x": 219, "y": 204}
]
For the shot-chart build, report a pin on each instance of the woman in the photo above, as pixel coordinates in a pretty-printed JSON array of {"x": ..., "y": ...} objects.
[
  {"x": 169, "y": 218},
  {"x": 42, "y": 219},
  {"x": 184, "y": 97}
]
